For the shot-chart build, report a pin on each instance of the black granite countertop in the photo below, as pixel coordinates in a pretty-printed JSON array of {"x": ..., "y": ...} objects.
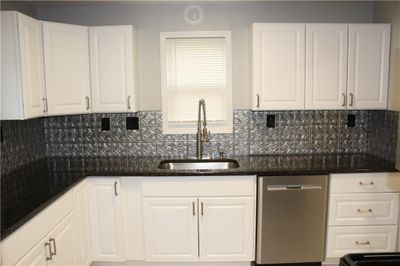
[{"x": 30, "y": 189}]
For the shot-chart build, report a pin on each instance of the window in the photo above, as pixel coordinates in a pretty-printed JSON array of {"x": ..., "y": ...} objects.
[{"x": 196, "y": 65}]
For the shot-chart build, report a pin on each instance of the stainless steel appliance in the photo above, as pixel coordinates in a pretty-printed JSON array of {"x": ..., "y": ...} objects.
[{"x": 291, "y": 219}]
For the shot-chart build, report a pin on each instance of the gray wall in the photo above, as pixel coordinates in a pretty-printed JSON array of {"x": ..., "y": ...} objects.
[
  {"x": 23, "y": 7},
  {"x": 151, "y": 19}
]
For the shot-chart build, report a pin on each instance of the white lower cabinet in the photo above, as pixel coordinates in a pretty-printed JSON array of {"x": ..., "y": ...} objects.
[
  {"x": 226, "y": 229},
  {"x": 106, "y": 219},
  {"x": 203, "y": 222},
  {"x": 57, "y": 248},
  {"x": 363, "y": 214},
  {"x": 171, "y": 229}
]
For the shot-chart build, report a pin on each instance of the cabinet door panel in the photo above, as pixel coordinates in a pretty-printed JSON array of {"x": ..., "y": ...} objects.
[
  {"x": 66, "y": 54},
  {"x": 111, "y": 61},
  {"x": 106, "y": 219},
  {"x": 170, "y": 229},
  {"x": 368, "y": 62},
  {"x": 278, "y": 66},
  {"x": 63, "y": 243},
  {"x": 326, "y": 66},
  {"x": 36, "y": 256},
  {"x": 32, "y": 70},
  {"x": 226, "y": 229}
]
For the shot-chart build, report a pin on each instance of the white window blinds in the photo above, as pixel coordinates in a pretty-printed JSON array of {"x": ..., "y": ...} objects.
[{"x": 196, "y": 68}]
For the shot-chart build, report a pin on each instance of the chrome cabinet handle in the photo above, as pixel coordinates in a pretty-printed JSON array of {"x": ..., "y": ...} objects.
[
  {"x": 115, "y": 188},
  {"x": 363, "y": 243},
  {"x": 367, "y": 210},
  {"x": 129, "y": 102},
  {"x": 52, "y": 240},
  {"x": 367, "y": 184},
  {"x": 194, "y": 208},
  {"x": 45, "y": 106},
  {"x": 293, "y": 187},
  {"x": 258, "y": 100},
  {"x": 344, "y": 99},
  {"x": 87, "y": 103},
  {"x": 351, "y": 99},
  {"x": 202, "y": 209},
  {"x": 49, "y": 249}
]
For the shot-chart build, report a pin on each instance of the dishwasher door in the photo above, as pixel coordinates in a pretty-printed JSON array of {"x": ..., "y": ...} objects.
[{"x": 291, "y": 219}]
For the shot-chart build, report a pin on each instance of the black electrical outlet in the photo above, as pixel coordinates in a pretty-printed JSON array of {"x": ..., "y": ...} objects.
[
  {"x": 271, "y": 121},
  {"x": 351, "y": 120},
  {"x": 105, "y": 123},
  {"x": 132, "y": 123}
]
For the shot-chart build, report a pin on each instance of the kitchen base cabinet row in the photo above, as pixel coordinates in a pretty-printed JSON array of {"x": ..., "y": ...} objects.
[
  {"x": 197, "y": 220},
  {"x": 363, "y": 214}
]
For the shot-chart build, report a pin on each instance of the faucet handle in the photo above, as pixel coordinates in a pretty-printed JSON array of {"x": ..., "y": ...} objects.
[{"x": 205, "y": 135}]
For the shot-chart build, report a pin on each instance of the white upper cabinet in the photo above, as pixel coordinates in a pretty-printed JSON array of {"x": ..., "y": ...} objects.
[
  {"x": 326, "y": 66},
  {"x": 368, "y": 63},
  {"x": 66, "y": 60},
  {"x": 278, "y": 66},
  {"x": 22, "y": 71},
  {"x": 112, "y": 69}
]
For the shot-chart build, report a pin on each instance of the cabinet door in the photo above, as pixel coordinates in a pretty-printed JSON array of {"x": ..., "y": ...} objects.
[
  {"x": 226, "y": 229},
  {"x": 278, "y": 66},
  {"x": 170, "y": 229},
  {"x": 66, "y": 57},
  {"x": 111, "y": 64},
  {"x": 37, "y": 256},
  {"x": 326, "y": 66},
  {"x": 106, "y": 219},
  {"x": 32, "y": 69},
  {"x": 368, "y": 62},
  {"x": 82, "y": 222},
  {"x": 63, "y": 243}
]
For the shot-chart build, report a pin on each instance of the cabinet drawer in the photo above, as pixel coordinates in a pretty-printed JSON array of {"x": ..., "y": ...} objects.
[
  {"x": 364, "y": 209},
  {"x": 360, "y": 239},
  {"x": 361, "y": 183}
]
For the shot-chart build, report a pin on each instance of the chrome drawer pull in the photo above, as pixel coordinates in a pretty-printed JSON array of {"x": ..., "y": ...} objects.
[
  {"x": 368, "y": 210},
  {"x": 52, "y": 240},
  {"x": 50, "y": 257},
  {"x": 363, "y": 243},
  {"x": 367, "y": 184}
]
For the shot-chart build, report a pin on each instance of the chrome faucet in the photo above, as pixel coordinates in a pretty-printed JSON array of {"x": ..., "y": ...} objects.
[{"x": 202, "y": 134}]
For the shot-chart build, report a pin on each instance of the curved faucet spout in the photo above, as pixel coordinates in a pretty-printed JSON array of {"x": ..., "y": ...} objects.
[{"x": 202, "y": 134}]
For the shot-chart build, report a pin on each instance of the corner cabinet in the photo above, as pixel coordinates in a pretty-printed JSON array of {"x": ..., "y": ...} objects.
[
  {"x": 186, "y": 221},
  {"x": 66, "y": 63},
  {"x": 22, "y": 71},
  {"x": 112, "y": 57},
  {"x": 106, "y": 219},
  {"x": 278, "y": 65}
]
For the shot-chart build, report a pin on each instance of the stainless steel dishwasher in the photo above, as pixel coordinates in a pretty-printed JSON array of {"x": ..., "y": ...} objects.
[{"x": 291, "y": 219}]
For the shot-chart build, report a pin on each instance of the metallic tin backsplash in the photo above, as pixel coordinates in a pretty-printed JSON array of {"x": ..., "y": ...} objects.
[{"x": 295, "y": 132}]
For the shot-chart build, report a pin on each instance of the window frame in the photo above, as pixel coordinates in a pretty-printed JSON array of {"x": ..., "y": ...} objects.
[{"x": 228, "y": 125}]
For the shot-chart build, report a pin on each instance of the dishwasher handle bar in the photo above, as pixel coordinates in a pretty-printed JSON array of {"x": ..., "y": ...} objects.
[{"x": 293, "y": 187}]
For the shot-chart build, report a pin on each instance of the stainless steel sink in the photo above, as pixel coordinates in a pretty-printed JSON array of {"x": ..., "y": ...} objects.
[{"x": 197, "y": 164}]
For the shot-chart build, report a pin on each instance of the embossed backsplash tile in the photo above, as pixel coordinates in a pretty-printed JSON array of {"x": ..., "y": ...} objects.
[{"x": 295, "y": 132}]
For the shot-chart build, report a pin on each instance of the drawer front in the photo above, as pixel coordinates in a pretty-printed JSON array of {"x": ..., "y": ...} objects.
[
  {"x": 362, "y": 183},
  {"x": 360, "y": 239},
  {"x": 364, "y": 209}
]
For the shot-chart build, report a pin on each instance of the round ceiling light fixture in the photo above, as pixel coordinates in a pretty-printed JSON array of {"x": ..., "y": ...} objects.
[{"x": 193, "y": 14}]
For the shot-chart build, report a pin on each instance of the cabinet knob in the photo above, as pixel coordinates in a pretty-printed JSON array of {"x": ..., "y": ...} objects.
[
  {"x": 367, "y": 184},
  {"x": 258, "y": 100},
  {"x": 344, "y": 100},
  {"x": 351, "y": 99},
  {"x": 48, "y": 248},
  {"x": 367, "y": 210},
  {"x": 52, "y": 240},
  {"x": 358, "y": 243},
  {"x": 115, "y": 188}
]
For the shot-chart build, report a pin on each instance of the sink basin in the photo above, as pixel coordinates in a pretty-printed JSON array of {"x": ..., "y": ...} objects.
[{"x": 197, "y": 164}]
